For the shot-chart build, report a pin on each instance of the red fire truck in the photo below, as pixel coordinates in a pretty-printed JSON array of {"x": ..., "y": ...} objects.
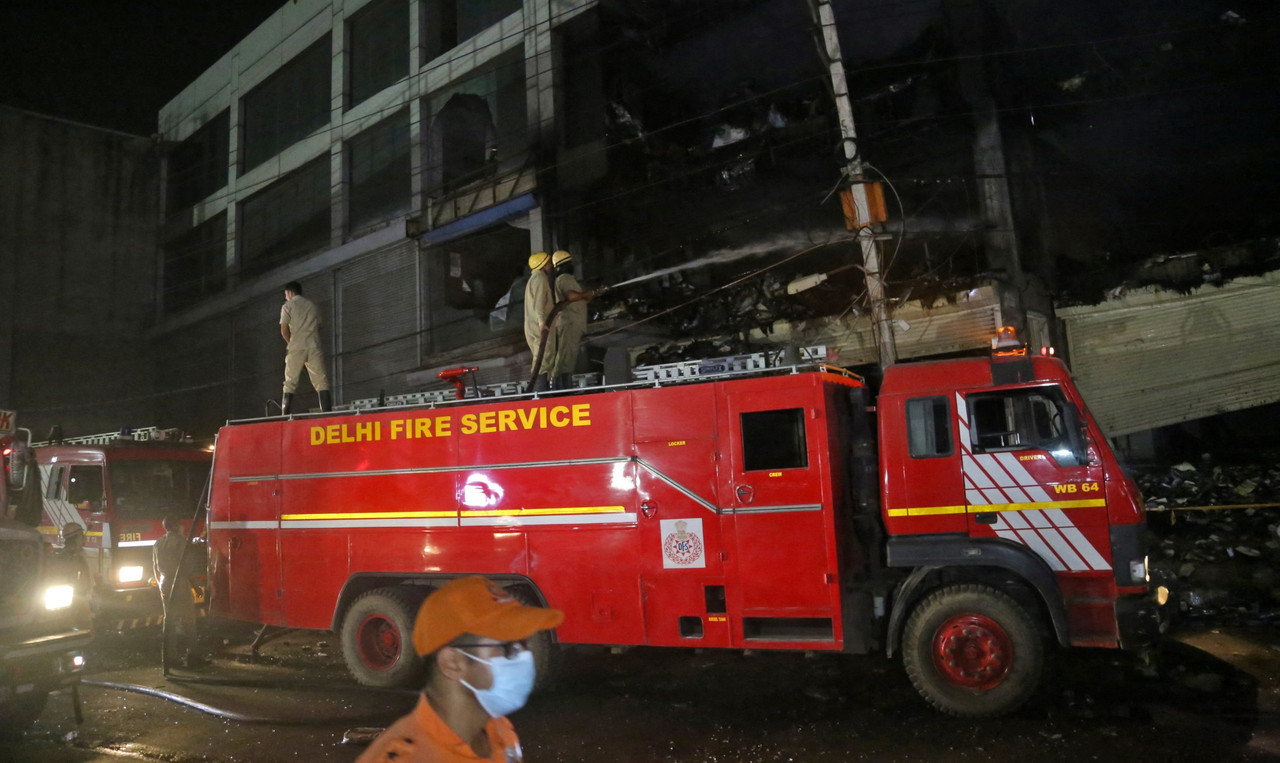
[
  {"x": 119, "y": 487},
  {"x": 967, "y": 517}
]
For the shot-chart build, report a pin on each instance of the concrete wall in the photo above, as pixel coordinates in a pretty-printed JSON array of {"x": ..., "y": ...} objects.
[{"x": 78, "y": 214}]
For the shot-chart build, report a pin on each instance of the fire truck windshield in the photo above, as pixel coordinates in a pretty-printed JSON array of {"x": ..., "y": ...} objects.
[{"x": 153, "y": 489}]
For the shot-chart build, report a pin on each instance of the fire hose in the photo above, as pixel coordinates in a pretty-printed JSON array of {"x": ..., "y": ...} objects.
[{"x": 245, "y": 717}]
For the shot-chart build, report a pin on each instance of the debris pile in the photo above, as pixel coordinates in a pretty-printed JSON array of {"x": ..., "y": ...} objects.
[{"x": 1220, "y": 565}]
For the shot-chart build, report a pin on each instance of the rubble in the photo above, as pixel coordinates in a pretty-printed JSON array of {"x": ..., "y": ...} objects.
[{"x": 1218, "y": 563}]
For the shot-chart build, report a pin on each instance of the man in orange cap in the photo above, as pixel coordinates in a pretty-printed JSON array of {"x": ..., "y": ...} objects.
[{"x": 479, "y": 668}]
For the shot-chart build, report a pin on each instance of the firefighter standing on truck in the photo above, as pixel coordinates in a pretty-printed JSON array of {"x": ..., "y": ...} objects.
[
  {"x": 572, "y": 320},
  {"x": 479, "y": 669},
  {"x": 539, "y": 298},
  {"x": 300, "y": 327}
]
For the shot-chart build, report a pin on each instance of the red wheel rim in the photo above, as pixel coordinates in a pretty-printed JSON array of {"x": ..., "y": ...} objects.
[
  {"x": 972, "y": 652},
  {"x": 378, "y": 642}
]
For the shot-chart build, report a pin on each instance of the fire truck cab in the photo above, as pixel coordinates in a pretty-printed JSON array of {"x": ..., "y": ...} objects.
[
  {"x": 967, "y": 517},
  {"x": 119, "y": 488}
]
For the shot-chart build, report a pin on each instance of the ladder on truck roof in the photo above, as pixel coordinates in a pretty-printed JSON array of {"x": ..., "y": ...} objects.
[
  {"x": 146, "y": 434},
  {"x": 654, "y": 374}
]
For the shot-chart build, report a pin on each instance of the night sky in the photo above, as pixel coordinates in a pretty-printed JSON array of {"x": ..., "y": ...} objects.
[{"x": 115, "y": 63}]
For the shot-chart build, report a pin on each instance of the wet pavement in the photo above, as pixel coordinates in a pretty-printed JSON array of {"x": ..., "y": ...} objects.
[{"x": 1213, "y": 695}]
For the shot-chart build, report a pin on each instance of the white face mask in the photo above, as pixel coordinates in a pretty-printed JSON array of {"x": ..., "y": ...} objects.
[{"x": 512, "y": 682}]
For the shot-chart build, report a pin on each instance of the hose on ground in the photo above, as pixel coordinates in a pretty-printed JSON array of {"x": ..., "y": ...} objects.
[{"x": 230, "y": 714}]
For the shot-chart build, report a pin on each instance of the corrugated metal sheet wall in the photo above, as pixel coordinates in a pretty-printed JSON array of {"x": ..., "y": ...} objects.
[
  {"x": 1155, "y": 358},
  {"x": 378, "y": 318}
]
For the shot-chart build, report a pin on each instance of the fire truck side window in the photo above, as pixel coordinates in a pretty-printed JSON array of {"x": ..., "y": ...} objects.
[
  {"x": 774, "y": 440},
  {"x": 928, "y": 427},
  {"x": 54, "y": 488},
  {"x": 1024, "y": 419},
  {"x": 85, "y": 486}
]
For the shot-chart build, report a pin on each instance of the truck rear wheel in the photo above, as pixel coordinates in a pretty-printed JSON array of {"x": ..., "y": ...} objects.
[
  {"x": 377, "y": 639},
  {"x": 972, "y": 651}
]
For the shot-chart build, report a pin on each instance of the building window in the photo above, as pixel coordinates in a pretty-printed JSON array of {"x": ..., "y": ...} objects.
[
  {"x": 378, "y": 171},
  {"x": 475, "y": 287},
  {"x": 198, "y": 166},
  {"x": 290, "y": 105},
  {"x": 478, "y": 126},
  {"x": 1026, "y": 419},
  {"x": 378, "y": 40},
  {"x": 445, "y": 23},
  {"x": 928, "y": 427},
  {"x": 195, "y": 264},
  {"x": 288, "y": 219},
  {"x": 774, "y": 440}
]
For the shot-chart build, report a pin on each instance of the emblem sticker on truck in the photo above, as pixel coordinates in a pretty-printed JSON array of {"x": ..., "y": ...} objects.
[{"x": 682, "y": 543}]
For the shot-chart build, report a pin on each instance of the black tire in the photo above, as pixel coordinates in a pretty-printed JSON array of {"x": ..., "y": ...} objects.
[
  {"x": 543, "y": 644},
  {"x": 21, "y": 711},
  {"x": 972, "y": 651},
  {"x": 377, "y": 639}
]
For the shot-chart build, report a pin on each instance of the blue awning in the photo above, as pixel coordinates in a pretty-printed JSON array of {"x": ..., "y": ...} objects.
[{"x": 482, "y": 219}]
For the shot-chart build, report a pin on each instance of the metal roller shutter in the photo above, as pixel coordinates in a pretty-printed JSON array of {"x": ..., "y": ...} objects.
[
  {"x": 1154, "y": 358},
  {"x": 258, "y": 358},
  {"x": 967, "y": 324},
  {"x": 378, "y": 322}
]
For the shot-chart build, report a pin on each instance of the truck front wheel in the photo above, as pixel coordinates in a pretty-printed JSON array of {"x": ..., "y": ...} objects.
[
  {"x": 377, "y": 639},
  {"x": 972, "y": 651}
]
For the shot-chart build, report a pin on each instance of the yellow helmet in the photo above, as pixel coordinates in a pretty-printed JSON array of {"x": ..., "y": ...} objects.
[
  {"x": 560, "y": 257},
  {"x": 537, "y": 260}
]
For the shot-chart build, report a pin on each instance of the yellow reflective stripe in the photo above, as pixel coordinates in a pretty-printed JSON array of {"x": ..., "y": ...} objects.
[
  {"x": 929, "y": 511},
  {"x": 1089, "y": 504},
  {"x": 926, "y": 511},
  {"x": 545, "y": 512},
  {"x": 372, "y": 515}
]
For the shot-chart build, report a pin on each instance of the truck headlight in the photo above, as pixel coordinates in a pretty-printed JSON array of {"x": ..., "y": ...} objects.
[
  {"x": 58, "y": 596},
  {"x": 129, "y": 574},
  {"x": 1138, "y": 570}
]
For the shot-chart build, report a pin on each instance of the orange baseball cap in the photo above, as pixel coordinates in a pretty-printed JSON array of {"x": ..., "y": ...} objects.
[{"x": 480, "y": 607}]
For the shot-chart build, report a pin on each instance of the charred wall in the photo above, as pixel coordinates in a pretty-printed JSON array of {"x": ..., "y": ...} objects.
[{"x": 78, "y": 212}]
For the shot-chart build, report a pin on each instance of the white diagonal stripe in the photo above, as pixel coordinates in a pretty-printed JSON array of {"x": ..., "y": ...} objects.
[
  {"x": 1016, "y": 495},
  {"x": 1086, "y": 548},
  {"x": 1015, "y": 519},
  {"x": 1064, "y": 550},
  {"x": 975, "y": 473},
  {"x": 1015, "y": 468},
  {"x": 995, "y": 496},
  {"x": 994, "y": 470},
  {"x": 961, "y": 411},
  {"x": 1038, "y": 545}
]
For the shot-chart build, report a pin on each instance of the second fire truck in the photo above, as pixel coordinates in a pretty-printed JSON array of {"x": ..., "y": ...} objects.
[{"x": 967, "y": 517}]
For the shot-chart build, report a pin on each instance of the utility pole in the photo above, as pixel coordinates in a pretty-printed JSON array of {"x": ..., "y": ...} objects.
[{"x": 829, "y": 44}]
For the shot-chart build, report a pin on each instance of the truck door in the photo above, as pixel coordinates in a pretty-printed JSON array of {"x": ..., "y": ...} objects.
[
  {"x": 1028, "y": 466},
  {"x": 682, "y": 573},
  {"x": 784, "y": 583}
]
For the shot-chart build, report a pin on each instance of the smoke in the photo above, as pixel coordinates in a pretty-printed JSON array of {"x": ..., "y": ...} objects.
[{"x": 781, "y": 241}]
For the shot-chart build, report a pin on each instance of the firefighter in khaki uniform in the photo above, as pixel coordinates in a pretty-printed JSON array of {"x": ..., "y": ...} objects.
[
  {"x": 300, "y": 327},
  {"x": 478, "y": 669},
  {"x": 571, "y": 321},
  {"x": 539, "y": 295}
]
